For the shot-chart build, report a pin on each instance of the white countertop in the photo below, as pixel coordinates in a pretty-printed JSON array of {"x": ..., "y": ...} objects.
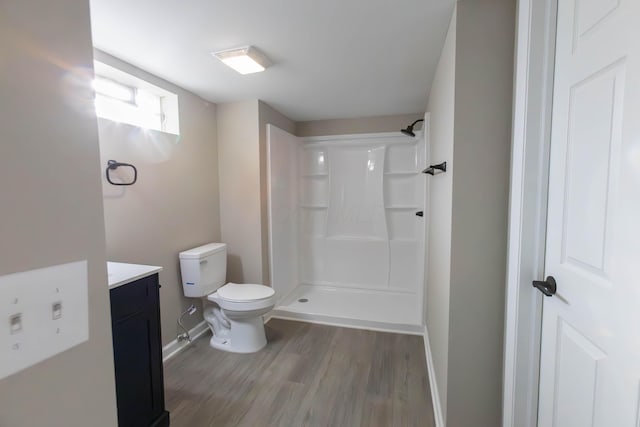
[{"x": 121, "y": 273}]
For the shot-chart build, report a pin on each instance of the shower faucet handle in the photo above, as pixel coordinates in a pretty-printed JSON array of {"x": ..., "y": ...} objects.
[{"x": 431, "y": 170}]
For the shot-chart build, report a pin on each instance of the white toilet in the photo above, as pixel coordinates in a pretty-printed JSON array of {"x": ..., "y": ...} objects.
[{"x": 236, "y": 318}]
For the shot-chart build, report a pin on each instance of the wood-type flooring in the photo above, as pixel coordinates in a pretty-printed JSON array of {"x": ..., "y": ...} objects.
[{"x": 308, "y": 375}]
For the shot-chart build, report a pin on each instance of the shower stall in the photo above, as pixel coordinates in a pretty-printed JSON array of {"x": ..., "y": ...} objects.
[{"x": 347, "y": 228}]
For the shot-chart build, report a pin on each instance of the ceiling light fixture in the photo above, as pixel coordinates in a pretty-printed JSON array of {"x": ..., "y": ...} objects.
[{"x": 245, "y": 60}]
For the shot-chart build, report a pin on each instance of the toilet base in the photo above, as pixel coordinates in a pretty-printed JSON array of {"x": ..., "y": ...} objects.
[{"x": 245, "y": 336}]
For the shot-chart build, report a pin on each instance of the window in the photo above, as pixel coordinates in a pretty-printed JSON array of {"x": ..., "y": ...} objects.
[{"x": 121, "y": 97}]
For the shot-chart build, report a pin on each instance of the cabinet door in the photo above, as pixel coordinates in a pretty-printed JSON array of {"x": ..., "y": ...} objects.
[
  {"x": 137, "y": 352},
  {"x": 134, "y": 379}
]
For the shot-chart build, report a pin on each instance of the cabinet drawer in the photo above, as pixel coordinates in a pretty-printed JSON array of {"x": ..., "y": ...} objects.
[{"x": 133, "y": 297}]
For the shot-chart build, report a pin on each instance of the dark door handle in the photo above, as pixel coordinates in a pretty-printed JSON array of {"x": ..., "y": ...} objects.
[
  {"x": 420, "y": 213},
  {"x": 547, "y": 287}
]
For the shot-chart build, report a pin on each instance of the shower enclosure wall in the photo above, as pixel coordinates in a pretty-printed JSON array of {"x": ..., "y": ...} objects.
[{"x": 346, "y": 231}]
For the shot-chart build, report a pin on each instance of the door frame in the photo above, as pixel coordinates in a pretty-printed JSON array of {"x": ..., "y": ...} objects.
[{"x": 532, "y": 105}]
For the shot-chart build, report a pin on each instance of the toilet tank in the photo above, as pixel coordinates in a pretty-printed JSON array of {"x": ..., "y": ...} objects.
[{"x": 204, "y": 269}]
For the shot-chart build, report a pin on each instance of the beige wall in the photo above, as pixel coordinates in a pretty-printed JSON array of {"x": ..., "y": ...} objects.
[
  {"x": 239, "y": 177},
  {"x": 242, "y": 135},
  {"x": 51, "y": 207},
  {"x": 357, "y": 125},
  {"x": 268, "y": 115},
  {"x": 438, "y": 266},
  {"x": 174, "y": 204},
  {"x": 483, "y": 98},
  {"x": 470, "y": 106}
]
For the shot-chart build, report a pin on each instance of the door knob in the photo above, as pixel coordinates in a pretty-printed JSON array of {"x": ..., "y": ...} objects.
[{"x": 547, "y": 287}]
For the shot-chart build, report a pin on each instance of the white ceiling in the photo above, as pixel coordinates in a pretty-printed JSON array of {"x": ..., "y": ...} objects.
[{"x": 332, "y": 58}]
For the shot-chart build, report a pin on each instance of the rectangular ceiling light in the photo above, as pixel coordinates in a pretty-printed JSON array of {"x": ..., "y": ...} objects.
[{"x": 245, "y": 60}]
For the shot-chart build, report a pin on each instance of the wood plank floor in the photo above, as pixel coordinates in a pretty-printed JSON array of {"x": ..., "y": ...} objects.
[{"x": 308, "y": 375}]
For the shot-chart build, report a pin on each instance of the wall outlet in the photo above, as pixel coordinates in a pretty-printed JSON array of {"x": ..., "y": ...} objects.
[{"x": 42, "y": 313}]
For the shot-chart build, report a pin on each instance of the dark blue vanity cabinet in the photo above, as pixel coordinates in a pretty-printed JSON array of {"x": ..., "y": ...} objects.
[{"x": 137, "y": 352}]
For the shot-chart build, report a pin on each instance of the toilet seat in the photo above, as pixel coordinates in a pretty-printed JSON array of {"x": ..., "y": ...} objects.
[
  {"x": 235, "y": 297},
  {"x": 234, "y": 292}
]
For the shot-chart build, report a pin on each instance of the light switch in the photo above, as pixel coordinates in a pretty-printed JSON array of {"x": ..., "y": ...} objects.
[
  {"x": 56, "y": 310},
  {"x": 15, "y": 323},
  {"x": 47, "y": 313}
]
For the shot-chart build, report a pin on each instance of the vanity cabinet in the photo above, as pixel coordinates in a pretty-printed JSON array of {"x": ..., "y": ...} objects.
[{"x": 137, "y": 351}]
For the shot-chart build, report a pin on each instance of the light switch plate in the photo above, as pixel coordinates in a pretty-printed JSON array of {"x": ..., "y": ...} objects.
[{"x": 52, "y": 303}]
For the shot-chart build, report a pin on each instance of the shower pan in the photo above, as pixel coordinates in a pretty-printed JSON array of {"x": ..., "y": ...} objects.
[{"x": 347, "y": 228}]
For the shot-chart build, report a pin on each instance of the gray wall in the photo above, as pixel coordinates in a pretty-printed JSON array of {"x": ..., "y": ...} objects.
[
  {"x": 174, "y": 205},
  {"x": 268, "y": 115},
  {"x": 239, "y": 177},
  {"x": 470, "y": 108},
  {"x": 438, "y": 267},
  {"x": 242, "y": 135},
  {"x": 483, "y": 99},
  {"x": 356, "y": 125},
  {"x": 51, "y": 205}
]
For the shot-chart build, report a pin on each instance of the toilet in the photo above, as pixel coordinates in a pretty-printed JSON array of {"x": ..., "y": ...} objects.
[{"x": 233, "y": 311}]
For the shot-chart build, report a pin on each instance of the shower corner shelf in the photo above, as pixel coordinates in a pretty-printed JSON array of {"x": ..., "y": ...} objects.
[
  {"x": 314, "y": 206},
  {"x": 403, "y": 207},
  {"x": 402, "y": 172},
  {"x": 314, "y": 236}
]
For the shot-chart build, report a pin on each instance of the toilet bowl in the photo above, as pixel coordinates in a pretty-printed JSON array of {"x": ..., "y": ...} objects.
[
  {"x": 236, "y": 322},
  {"x": 233, "y": 311}
]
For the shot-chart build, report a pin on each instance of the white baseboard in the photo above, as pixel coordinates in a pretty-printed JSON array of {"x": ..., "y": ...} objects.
[
  {"x": 174, "y": 347},
  {"x": 431, "y": 371},
  {"x": 397, "y": 328}
]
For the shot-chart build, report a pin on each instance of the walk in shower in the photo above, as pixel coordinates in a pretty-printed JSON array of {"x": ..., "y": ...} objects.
[{"x": 347, "y": 228}]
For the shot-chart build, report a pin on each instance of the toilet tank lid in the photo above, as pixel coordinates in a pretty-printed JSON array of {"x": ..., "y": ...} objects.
[{"x": 203, "y": 251}]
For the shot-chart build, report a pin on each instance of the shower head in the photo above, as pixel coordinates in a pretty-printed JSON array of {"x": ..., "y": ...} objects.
[{"x": 409, "y": 129}]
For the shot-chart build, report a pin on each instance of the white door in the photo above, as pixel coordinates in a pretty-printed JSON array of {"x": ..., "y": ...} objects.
[{"x": 590, "y": 360}]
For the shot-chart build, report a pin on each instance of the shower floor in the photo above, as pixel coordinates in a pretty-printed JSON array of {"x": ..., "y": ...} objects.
[{"x": 378, "y": 310}]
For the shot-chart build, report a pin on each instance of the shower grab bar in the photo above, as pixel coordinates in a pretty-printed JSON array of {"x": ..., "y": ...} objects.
[{"x": 431, "y": 170}]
